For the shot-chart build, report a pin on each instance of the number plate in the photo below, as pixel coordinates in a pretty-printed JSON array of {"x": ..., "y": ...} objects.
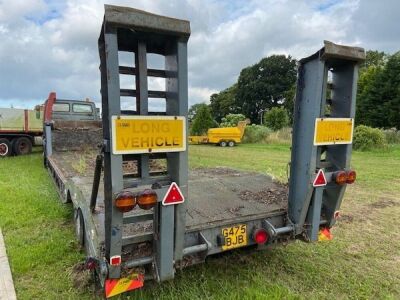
[
  {"x": 148, "y": 134},
  {"x": 331, "y": 131},
  {"x": 235, "y": 236}
]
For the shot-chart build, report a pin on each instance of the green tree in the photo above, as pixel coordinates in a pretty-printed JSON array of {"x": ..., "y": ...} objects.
[
  {"x": 276, "y": 118},
  {"x": 223, "y": 103},
  {"x": 290, "y": 96},
  {"x": 265, "y": 85},
  {"x": 378, "y": 95},
  {"x": 202, "y": 120},
  {"x": 231, "y": 120},
  {"x": 391, "y": 91},
  {"x": 193, "y": 111},
  {"x": 370, "y": 110},
  {"x": 375, "y": 58}
]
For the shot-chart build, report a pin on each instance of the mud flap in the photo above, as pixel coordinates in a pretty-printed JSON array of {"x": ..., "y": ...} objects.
[{"x": 115, "y": 287}]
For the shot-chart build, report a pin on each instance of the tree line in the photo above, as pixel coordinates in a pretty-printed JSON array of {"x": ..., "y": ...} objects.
[
  {"x": 378, "y": 94},
  {"x": 270, "y": 84}
]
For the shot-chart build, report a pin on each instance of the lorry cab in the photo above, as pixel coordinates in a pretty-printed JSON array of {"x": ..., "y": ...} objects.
[
  {"x": 71, "y": 110},
  {"x": 74, "y": 110}
]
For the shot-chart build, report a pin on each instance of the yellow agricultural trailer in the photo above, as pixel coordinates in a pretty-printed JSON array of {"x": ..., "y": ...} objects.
[{"x": 224, "y": 136}]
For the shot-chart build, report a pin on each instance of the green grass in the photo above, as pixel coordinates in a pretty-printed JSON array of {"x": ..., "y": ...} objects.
[
  {"x": 38, "y": 230},
  {"x": 362, "y": 262}
]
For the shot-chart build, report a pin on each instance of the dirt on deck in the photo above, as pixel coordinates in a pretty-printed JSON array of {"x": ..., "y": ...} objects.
[
  {"x": 222, "y": 195},
  {"x": 82, "y": 163},
  {"x": 276, "y": 194}
]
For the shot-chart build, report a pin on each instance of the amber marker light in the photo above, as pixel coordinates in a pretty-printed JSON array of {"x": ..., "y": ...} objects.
[
  {"x": 125, "y": 201},
  {"x": 351, "y": 176},
  {"x": 340, "y": 177},
  {"x": 147, "y": 199}
]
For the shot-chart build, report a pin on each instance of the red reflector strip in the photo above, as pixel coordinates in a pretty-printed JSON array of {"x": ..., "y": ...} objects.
[{"x": 114, "y": 287}]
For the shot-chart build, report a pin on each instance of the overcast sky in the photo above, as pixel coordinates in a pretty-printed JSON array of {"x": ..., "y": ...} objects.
[{"x": 48, "y": 45}]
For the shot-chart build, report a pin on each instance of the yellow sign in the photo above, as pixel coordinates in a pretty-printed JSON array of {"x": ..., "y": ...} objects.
[
  {"x": 235, "y": 236},
  {"x": 333, "y": 131},
  {"x": 148, "y": 134}
]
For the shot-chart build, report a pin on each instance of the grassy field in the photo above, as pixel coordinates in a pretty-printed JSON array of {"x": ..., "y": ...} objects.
[{"x": 362, "y": 262}]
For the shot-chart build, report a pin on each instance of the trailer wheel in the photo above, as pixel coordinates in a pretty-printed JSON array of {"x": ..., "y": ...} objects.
[
  {"x": 222, "y": 143},
  {"x": 22, "y": 146},
  {"x": 5, "y": 148},
  {"x": 231, "y": 143},
  {"x": 79, "y": 227},
  {"x": 66, "y": 198},
  {"x": 44, "y": 160}
]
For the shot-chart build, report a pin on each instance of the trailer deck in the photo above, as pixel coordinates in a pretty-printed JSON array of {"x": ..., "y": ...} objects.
[{"x": 217, "y": 196}]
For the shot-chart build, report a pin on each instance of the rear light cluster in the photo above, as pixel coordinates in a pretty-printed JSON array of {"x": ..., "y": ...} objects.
[
  {"x": 126, "y": 201},
  {"x": 343, "y": 177}
]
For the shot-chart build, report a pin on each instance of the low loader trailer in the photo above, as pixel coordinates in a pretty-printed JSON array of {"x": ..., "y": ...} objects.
[{"x": 140, "y": 214}]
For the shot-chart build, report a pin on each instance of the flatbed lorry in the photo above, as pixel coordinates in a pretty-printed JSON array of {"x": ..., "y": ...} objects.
[
  {"x": 20, "y": 129},
  {"x": 140, "y": 214}
]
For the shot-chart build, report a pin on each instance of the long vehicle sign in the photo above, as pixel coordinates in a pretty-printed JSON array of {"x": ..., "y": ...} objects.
[
  {"x": 148, "y": 134},
  {"x": 333, "y": 131}
]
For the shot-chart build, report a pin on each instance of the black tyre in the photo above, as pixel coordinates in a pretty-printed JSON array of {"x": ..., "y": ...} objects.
[
  {"x": 222, "y": 143},
  {"x": 66, "y": 198},
  {"x": 44, "y": 160},
  {"x": 22, "y": 146},
  {"x": 79, "y": 227},
  {"x": 5, "y": 147},
  {"x": 231, "y": 143}
]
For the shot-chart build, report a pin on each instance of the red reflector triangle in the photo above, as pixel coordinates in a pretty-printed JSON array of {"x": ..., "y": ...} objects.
[
  {"x": 320, "y": 179},
  {"x": 173, "y": 195}
]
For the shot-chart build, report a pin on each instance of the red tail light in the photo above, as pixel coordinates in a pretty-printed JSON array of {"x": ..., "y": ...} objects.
[
  {"x": 260, "y": 236},
  {"x": 125, "y": 201},
  {"x": 351, "y": 176},
  {"x": 340, "y": 177}
]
